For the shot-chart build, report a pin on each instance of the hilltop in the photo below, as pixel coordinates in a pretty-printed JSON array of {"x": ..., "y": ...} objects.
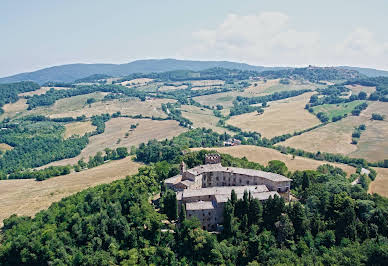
[{"x": 72, "y": 72}]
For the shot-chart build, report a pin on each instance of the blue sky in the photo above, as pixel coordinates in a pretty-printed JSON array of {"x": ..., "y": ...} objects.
[{"x": 42, "y": 33}]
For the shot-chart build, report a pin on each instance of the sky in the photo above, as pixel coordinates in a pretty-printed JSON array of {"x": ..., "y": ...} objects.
[{"x": 43, "y": 33}]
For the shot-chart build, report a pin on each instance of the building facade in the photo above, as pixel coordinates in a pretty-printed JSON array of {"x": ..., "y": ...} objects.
[{"x": 206, "y": 188}]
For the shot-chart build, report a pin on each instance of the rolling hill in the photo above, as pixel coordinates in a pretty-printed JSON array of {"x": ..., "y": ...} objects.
[{"x": 72, "y": 72}]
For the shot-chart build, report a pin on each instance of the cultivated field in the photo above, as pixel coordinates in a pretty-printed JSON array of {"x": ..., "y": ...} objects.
[
  {"x": 273, "y": 85},
  {"x": 264, "y": 155},
  {"x": 27, "y": 196},
  {"x": 78, "y": 128},
  {"x": 172, "y": 88},
  {"x": 357, "y": 88},
  {"x": 336, "y": 109},
  {"x": 202, "y": 117},
  {"x": 336, "y": 137},
  {"x": 281, "y": 117},
  {"x": 14, "y": 109},
  {"x": 67, "y": 106},
  {"x": 224, "y": 98},
  {"x": 42, "y": 90},
  {"x": 197, "y": 83},
  {"x": 139, "y": 81},
  {"x": 127, "y": 106},
  {"x": 380, "y": 185},
  {"x": 118, "y": 134},
  {"x": 373, "y": 144}
]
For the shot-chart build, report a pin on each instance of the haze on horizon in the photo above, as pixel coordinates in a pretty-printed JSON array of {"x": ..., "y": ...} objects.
[{"x": 42, "y": 33}]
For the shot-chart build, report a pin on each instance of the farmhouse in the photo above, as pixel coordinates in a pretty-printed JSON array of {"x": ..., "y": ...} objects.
[{"x": 206, "y": 188}]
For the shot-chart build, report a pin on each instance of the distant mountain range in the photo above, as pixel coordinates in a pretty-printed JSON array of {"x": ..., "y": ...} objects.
[{"x": 72, "y": 72}]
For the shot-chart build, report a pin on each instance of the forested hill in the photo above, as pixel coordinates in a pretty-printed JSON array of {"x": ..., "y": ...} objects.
[
  {"x": 72, "y": 72},
  {"x": 314, "y": 74}
]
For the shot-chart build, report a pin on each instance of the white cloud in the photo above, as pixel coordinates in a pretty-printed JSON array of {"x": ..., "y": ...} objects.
[{"x": 268, "y": 38}]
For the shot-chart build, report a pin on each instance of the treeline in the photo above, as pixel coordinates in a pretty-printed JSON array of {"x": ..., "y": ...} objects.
[
  {"x": 52, "y": 171},
  {"x": 99, "y": 122},
  {"x": 92, "y": 78},
  {"x": 183, "y": 75},
  {"x": 51, "y": 96},
  {"x": 173, "y": 113},
  {"x": 171, "y": 150},
  {"x": 271, "y": 97},
  {"x": 184, "y": 96},
  {"x": 43, "y": 174},
  {"x": 40, "y": 118},
  {"x": 9, "y": 91}
]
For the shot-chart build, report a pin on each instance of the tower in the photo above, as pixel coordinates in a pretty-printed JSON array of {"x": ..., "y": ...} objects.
[{"x": 182, "y": 167}]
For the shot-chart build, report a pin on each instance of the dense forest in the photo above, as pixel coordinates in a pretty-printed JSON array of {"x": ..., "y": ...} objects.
[
  {"x": 182, "y": 75},
  {"x": 314, "y": 74},
  {"x": 332, "y": 223}
]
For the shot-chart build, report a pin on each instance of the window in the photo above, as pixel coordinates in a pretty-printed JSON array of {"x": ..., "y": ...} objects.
[
  {"x": 247, "y": 182},
  {"x": 209, "y": 213}
]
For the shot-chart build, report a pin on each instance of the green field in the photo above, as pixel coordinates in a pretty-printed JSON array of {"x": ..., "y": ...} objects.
[{"x": 336, "y": 109}]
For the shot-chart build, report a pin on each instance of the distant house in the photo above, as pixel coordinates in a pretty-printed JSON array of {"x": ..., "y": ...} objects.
[{"x": 232, "y": 142}]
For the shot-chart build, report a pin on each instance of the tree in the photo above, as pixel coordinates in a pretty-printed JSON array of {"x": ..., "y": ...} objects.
[
  {"x": 299, "y": 220},
  {"x": 362, "y": 95},
  {"x": 170, "y": 205},
  {"x": 276, "y": 166},
  {"x": 122, "y": 152},
  {"x": 285, "y": 230},
  {"x": 182, "y": 213},
  {"x": 255, "y": 212}
]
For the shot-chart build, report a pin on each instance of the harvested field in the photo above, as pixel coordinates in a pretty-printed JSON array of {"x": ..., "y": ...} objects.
[
  {"x": 78, "y": 128},
  {"x": 198, "y": 83},
  {"x": 27, "y": 196},
  {"x": 358, "y": 88},
  {"x": 281, "y": 117},
  {"x": 262, "y": 88},
  {"x": 14, "y": 109},
  {"x": 172, "y": 88},
  {"x": 63, "y": 107},
  {"x": 5, "y": 147},
  {"x": 139, "y": 81},
  {"x": 42, "y": 90},
  {"x": 224, "y": 98},
  {"x": 115, "y": 136},
  {"x": 202, "y": 117},
  {"x": 264, "y": 155},
  {"x": 336, "y": 137},
  {"x": 373, "y": 144},
  {"x": 273, "y": 85},
  {"x": 127, "y": 106},
  {"x": 380, "y": 185}
]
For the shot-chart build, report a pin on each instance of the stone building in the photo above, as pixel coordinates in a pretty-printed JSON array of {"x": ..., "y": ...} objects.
[{"x": 206, "y": 188}]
